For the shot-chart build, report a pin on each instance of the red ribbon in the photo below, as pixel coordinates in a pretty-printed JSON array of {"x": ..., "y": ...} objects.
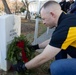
[{"x": 20, "y": 44}]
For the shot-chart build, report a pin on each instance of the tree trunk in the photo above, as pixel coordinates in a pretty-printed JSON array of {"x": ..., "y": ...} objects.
[
  {"x": 26, "y": 4},
  {"x": 7, "y": 10}
]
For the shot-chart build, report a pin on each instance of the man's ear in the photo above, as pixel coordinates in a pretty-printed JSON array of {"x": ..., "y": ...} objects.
[{"x": 52, "y": 14}]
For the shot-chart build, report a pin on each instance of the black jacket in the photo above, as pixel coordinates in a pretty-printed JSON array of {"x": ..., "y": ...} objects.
[
  {"x": 68, "y": 4},
  {"x": 63, "y": 5}
]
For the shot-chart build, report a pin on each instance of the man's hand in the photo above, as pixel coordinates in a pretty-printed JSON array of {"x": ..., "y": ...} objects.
[
  {"x": 19, "y": 67},
  {"x": 34, "y": 47}
]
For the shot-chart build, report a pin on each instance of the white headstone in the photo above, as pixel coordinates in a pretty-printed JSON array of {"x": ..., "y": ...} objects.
[{"x": 10, "y": 26}]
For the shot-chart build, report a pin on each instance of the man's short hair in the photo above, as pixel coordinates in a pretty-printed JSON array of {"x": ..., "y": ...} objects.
[{"x": 48, "y": 3}]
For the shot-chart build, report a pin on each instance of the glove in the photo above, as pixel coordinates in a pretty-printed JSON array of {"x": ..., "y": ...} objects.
[
  {"x": 19, "y": 67},
  {"x": 34, "y": 47}
]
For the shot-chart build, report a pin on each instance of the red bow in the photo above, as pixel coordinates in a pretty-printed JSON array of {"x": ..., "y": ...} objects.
[{"x": 20, "y": 44}]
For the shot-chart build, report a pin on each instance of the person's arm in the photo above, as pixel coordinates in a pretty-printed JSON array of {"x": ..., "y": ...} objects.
[
  {"x": 41, "y": 45},
  {"x": 48, "y": 53}
]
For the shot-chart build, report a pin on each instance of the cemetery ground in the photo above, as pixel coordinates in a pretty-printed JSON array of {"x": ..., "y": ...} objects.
[{"x": 27, "y": 29}]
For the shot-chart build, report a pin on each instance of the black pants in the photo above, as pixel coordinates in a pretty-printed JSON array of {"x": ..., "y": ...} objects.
[{"x": 63, "y": 53}]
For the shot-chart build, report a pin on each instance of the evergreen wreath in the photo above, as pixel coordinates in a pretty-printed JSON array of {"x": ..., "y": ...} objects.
[{"x": 19, "y": 50}]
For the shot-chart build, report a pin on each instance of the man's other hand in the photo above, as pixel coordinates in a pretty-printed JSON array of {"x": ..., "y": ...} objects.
[
  {"x": 19, "y": 67},
  {"x": 34, "y": 47}
]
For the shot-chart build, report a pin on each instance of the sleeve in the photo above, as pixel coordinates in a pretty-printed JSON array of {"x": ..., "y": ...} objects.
[{"x": 63, "y": 39}]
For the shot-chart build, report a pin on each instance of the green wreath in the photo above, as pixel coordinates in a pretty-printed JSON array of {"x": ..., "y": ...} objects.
[{"x": 19, "y": 50}]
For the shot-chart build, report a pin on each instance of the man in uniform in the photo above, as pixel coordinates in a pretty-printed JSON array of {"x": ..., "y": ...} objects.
[{"x": 63, "y": 42}]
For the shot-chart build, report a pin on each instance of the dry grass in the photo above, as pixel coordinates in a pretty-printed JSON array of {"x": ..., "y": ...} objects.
[{"x": 28, "y": 28}]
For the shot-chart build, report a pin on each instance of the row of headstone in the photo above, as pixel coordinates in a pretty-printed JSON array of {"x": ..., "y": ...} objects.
[{"x": 10, "y": 27}]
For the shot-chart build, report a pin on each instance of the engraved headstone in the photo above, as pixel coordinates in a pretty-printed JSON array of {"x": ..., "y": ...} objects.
[{"x": 10, "y": 27}]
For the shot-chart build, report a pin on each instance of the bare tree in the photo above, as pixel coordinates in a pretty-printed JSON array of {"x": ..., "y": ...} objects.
[
  {"x": 7, "y": 10},
  {"x": 26, "y": 4}
]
